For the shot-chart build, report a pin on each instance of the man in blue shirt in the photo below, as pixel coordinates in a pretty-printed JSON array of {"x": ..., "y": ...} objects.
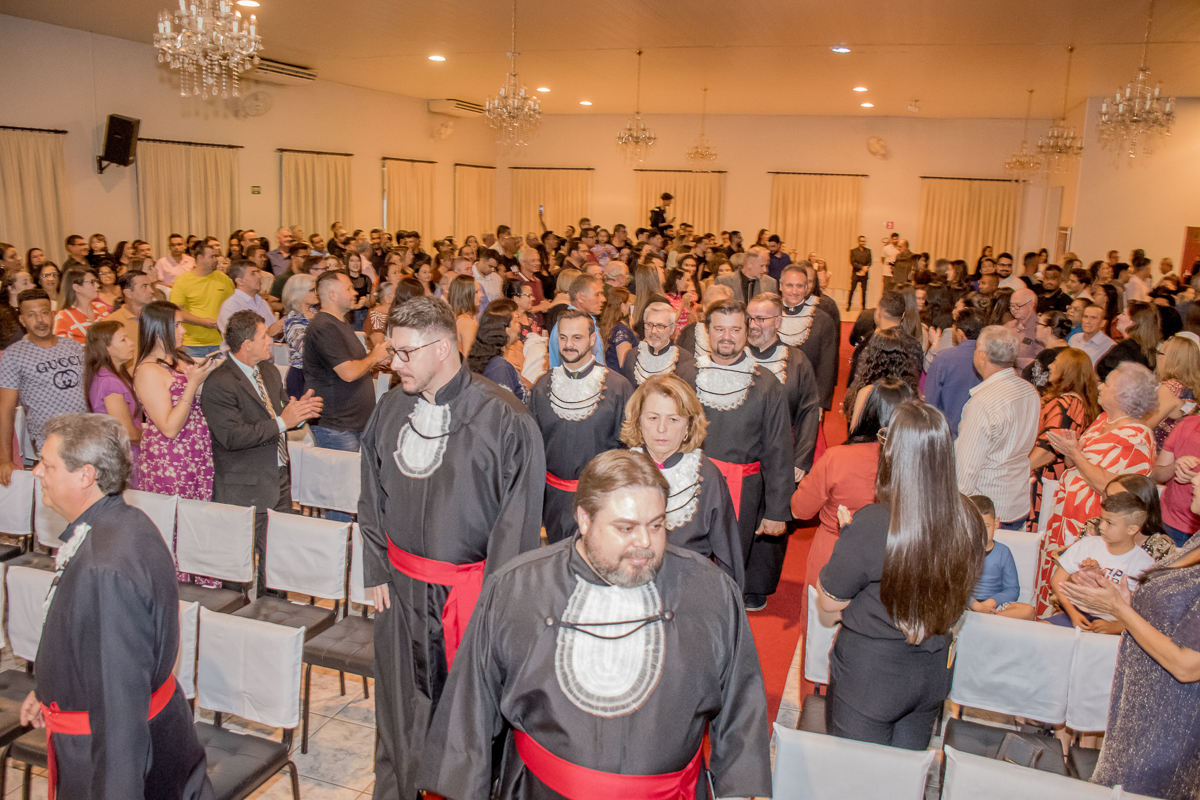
[
  {"x": 952, "y": 374},
  {"x": 778, "y": 259},
  {"x": 587, "y": 294},
  {"x": 279, "y": 256}
]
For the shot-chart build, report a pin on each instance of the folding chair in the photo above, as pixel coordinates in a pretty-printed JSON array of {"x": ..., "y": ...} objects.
[
  {"x": 48, "y": 524},
  {"x": 296, "y": 450},
  {"x": 16, "y": 511},
  {"x": 27, "y": 588},
  {"x": 185, "y": 661},
  {"x": 1025, "y": 549},
  {"x": 308, "y": 556},
  {"x": 330, "y": 479},
  {"x": 813, "y": 766},
  {"x": 1092, "y": 672},
  {"x": 818, "y": 642},
  {"x": 251, "y": 669},
  {"x": 279, "y": 354},
  {"x": 349, "y": 646},
  {"x": 973, "y": 777},
  {"x": 1049, "y": 487},
  {"x": 160, "y": 508},
  {"x": 215, "y": 540}
]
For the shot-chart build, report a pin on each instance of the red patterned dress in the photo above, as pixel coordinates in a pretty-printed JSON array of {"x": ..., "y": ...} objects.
[{"x": 1067, "y": 411}]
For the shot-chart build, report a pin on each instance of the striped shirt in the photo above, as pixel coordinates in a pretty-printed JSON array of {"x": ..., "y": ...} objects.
[{"x": 999, "y": 425}]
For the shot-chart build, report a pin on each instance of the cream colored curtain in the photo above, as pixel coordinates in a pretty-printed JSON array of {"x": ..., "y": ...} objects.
[
  {"x": 33, "y": 192},
  {"x": 315, "y": 191},
  {"x": 186, "y": 189},
  {"x": 959, "y": 217},
  {"x": 565, "y": 193},
  {"x": 697, "y": 197},
  {"x": 408, "y": 197},
  {"x": 821, "y": 213},
  {"x": 474, "y": 201}
]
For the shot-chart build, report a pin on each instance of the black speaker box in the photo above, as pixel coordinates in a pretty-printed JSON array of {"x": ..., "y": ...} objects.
[{"x": 120, "y": 140}]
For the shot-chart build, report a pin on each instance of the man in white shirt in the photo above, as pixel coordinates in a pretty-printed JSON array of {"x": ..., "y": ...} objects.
[
  {"x": 998, "y": 428},
  {"x": 1092, "y": 340},
  {"x": 1004, "y": 268},
  {"x": 1138, "y": 286},
  {"x": 891, "y": 249},
  {"x": 246, "y": 277},
  {"x": 486, "y": 271},
  {"x": 177, "y": 262}
]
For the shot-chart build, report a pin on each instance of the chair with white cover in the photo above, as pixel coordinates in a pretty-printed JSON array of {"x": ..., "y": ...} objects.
[
  {"x": 160, "y": 508},
  {"x": 1049, "y": 487},
  {"x": 279, "y": 354},
  {"x": 48, "y": 524},
  {"x": 296, "y": 448},
  {"x": 16, "y": 511},
  {"x": 349, "y": 646},
  {"x": 24, "y": 443},
  {"x": 1092, "y": 673},
  {"x": 819, "y": 634},
  {"x": 308, "y": 556},
  {"x": 215, "y": 540},
  {"x": 973, "y": 777},
  {"x": 251, "y": 669},
  {"x": 185, "y": 660},
  {"x": 1025, "y": 547},
  {"x": 814, "y": 766},
  {"x": 383, "y": 382},
  {"x": 26, "y": 588},
  {"x": 330, "y": 479}
]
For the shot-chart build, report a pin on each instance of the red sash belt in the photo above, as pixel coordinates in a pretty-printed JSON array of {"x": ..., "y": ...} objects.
[
  {"x": 465, "y": 582},
  {"x": 560, "y": 484},
  {"x": 75, "y": 723},
  {"x": 733, "y": 476},
  {"x": 580, "y": 783}
]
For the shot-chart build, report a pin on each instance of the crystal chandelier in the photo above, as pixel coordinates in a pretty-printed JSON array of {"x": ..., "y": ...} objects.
[
  {"x": 1024, "y": 164},
  {"x": 209, "y": 44},
  {"x": 1139, "y": 114},
  {"x": 514, "y": 114},
  {"x": 635, "y": 139},
  {"x": 1060, "y": 147},
  {"x": 702, "y": 151}
]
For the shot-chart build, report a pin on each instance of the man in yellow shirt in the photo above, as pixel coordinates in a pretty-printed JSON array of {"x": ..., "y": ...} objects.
[{"x": 199, "y": 292}]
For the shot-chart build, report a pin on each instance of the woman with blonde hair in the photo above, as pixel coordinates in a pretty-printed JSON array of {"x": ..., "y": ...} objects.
[
  {"x": 465, "y": 297},
  {"x": 664, "y": 419},
  {"x": 1071, "y": 402},
  {"x": 1178, "y": 373}
]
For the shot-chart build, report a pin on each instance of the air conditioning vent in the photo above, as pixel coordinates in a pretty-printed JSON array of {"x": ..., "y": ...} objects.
[
  {"x": 280, "y": 74},
  {"x": 455, "y": 108}
]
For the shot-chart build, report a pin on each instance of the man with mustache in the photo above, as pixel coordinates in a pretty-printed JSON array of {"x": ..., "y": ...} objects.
[{"x": 657, "y": 354}]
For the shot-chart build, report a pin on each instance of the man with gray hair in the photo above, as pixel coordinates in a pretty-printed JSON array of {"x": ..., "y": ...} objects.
[
  {"x": 111, "y": 631},
  {"x": 999, "y": 425},
  {"x": 656, "y": 355},
  {"x": 751, "y": 279}
]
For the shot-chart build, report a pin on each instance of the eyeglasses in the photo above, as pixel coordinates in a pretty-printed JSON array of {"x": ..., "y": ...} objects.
[
  {"x": 406, "y": 354},
  {"x": 761, "y": 320},
  {"x": 655, "y": 326}
]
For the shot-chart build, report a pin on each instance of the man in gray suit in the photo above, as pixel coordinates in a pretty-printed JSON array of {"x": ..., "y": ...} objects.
[{"x": 751, "y": 279}]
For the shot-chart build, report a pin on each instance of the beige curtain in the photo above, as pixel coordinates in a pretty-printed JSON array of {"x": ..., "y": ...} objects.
[
  {"x": 186, "y": 189},
  {"x": 315, "y": 191},
  {"x": 697, "y": 197},
  {"x": 474, "y": 201},
  {"x": 565, "y": 193},
  {"x": 408, "y": 197},
  {"x": 33, "y": 192},
  {"x": 959, "y": 217},
  {"x": 818, "y": 213}
]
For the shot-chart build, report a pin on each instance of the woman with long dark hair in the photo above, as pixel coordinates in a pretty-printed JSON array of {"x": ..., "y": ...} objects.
[
  {"x": 79, "y": 305},
  {"x": 107, "y": 383},
  {"x": 493, "y": 354},
  {"x": 465, "y": 296},
  {"x": 1071, "y": 403},
  {"x": 615, "y": 334},
  {"x": 1140, "y": 345},
  {"x": 901, "y": 573},
  {"x": 886, "y": 355}
]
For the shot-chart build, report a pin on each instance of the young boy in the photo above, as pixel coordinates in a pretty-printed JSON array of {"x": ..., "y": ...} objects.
[
  {"x": 998, "y": 586},
  {"x": 1114, "y": 553}
]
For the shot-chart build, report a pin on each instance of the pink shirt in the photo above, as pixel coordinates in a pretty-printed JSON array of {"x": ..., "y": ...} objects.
[{"x": 1184, "y": 440}]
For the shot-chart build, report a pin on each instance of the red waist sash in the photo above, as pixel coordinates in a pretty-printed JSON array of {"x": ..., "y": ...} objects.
[
  {"x": 465, "y": 582},
  {"x": 580, "y": 783},
  {"x": 733, "y": 476},
  {"x": 76, "y": 723},
  {"x": 560, "y": 484}
]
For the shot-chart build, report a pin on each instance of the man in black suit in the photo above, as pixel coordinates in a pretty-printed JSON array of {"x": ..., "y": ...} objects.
[{"x": 248, "y": 416}]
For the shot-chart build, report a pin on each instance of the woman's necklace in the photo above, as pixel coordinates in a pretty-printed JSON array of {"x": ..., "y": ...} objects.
[{"x": 1112, "y": 422}]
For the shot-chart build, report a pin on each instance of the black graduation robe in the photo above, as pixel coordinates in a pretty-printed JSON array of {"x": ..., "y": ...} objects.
[
  {"x": 802, "y": 395},
  {"x": 571, "y": 444},
  {"x": 684, "y": 364},
  {"x": 517, "y": 672},
  {"x": 482, "y": 502},
  {"x": 110, "y": 639},
  {"x": 819, "y": 338}
]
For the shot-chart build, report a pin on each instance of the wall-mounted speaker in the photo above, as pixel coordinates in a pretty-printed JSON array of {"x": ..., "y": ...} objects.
[{"x": 120, "y": 141}]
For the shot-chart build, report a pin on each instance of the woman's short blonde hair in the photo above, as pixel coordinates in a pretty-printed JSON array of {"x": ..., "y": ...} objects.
[{"x": 686, "y": 402}]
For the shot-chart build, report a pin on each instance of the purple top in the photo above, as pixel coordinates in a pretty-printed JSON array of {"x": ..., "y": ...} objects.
[{"x": 104, "y": 384}]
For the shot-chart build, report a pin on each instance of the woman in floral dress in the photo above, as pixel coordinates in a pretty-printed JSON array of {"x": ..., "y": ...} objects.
[{"x": 1071, "y": 404}]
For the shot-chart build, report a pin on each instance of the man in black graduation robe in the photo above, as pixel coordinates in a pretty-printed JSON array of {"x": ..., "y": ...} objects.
[
  {"x": 111, "y": 632},
  {"x": 579, "y": 407},
  {"x": 750, "y": 440},
  {"x": 656, "y": 355},
  {"x": 679, "y": 657},
  {"x": 805, "y": 324},
  {"x": 452, "y": 473}
]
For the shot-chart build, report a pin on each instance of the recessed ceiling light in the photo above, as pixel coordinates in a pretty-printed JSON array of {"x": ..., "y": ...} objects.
[
  {"x": 543, "y": 89},
  {"x": 248, "y": 3},
  {"x": 841, "y": 48},
  {"x": 585, "y": 102},
  {"x": 867, "y": 105},
  {"x": 437, "y": 58},
  {"x": 860, "y": 88}
]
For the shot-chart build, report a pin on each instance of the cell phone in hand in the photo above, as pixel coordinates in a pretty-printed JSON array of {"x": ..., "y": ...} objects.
[{"x": 541, "y": 209}]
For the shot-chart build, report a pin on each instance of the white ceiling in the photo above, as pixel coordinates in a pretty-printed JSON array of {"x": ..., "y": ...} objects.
[{"x": 960, "y": 58}]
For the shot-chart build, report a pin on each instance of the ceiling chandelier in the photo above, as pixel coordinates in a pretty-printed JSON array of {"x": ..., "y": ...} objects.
[
  {"x": 1024, "y": 165},
  {"x": 513, "y": 113},
  {"x": 1059, "y": 147},
  {"x": 209, "y": 44},
  {"x": 1138, "y": 114},
  {"x": 635, "y": 139},
  {"x": 702, "y": 151}
]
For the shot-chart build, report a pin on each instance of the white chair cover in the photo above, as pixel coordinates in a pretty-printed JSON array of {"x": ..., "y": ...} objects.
[
  {"x": 24, "y": 443},
  {"x": 249, "y": 668},
  {"x": 362, "y": 337},
  {"x": 1012, "y": 666},
  {"x": 306, "y": 555},
  {"x": 537, "y": 356},
  {"x": 971, "y": 777},
  {"x": 1092, "y": 671},
  {"x": 814, "y": 766},
  {"x": 47, "y": 523},
  {"x": 283, "y": 371},
  {"x": 358, "y": 587},
  {"x": 185, "y": 660},
  {"x": 27, "y": 590},
  {"x": 382, "y": 381},
  {"x": 296, "y": 448},
  {"x": 818, "y": 640},
  {"x": 279, "y": 354},
  {"x": 1049, "y": 487},
  {"x": 215, "y": 540},
  {"x": 160, "y": 508},
  {"x": 1025, "y": 548},
  {"x": 16, "y": 504},
  {"x": 330, "y": 479}
]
